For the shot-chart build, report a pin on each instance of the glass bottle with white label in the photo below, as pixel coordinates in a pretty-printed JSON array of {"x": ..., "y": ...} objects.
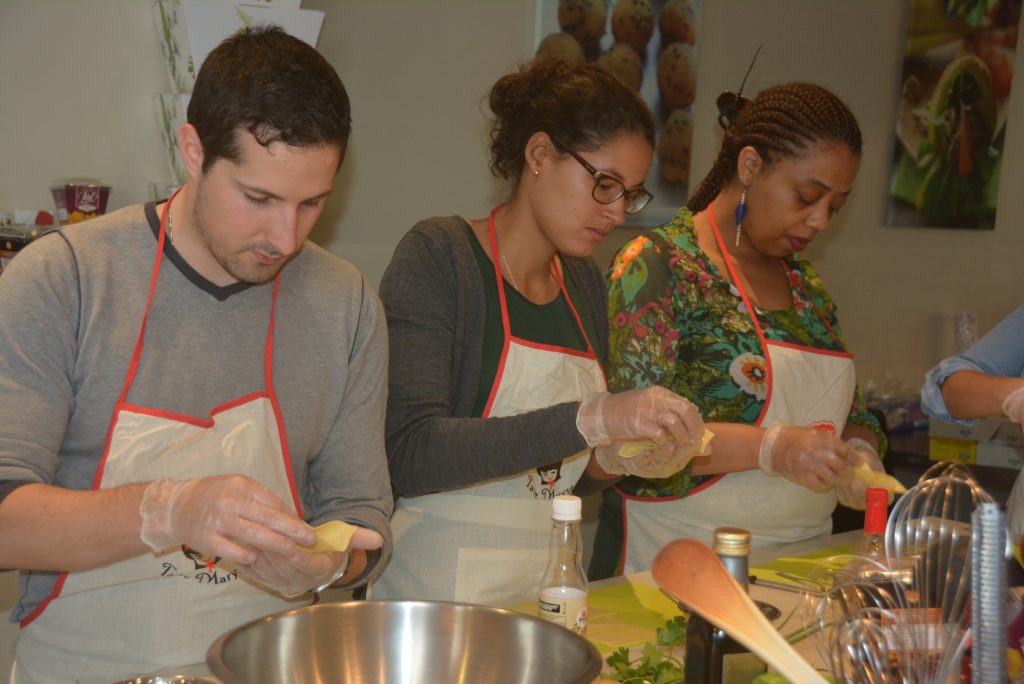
[
  {"x": 712, "y": 656},
  {"x": 563, "y": 587}
]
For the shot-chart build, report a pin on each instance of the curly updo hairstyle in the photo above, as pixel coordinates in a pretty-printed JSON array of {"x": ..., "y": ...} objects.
[
  {"x": 583, "y": 105},
  {"x": 781, "y": 122}
]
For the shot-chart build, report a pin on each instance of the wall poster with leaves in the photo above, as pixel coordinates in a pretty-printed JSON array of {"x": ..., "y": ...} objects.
[{"x": 951, "y": 113}]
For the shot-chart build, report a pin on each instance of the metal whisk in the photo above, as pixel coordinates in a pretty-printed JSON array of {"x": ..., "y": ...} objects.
[{"x": 903, "y": 619}]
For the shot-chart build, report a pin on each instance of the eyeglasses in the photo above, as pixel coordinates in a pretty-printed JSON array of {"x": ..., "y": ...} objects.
[{"x": 608, "y": 189}]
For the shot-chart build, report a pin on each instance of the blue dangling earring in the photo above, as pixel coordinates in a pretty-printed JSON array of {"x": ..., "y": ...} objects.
[{"x": 741, "y": 212}]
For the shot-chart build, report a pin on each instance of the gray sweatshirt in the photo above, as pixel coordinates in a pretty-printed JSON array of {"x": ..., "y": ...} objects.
[{"x": 70, "y": 309}]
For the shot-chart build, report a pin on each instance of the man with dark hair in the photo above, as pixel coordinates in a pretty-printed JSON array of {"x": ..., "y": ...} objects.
[{"x": 186, "y": 387}]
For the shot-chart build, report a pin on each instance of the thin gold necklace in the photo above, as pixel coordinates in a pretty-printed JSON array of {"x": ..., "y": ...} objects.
[
  {"x": 509, "y": 269},
  {"x": 170, "y": 225}
]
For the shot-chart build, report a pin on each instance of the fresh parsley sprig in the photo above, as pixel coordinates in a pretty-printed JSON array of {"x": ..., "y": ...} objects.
[{"x": 656, "y": 664}]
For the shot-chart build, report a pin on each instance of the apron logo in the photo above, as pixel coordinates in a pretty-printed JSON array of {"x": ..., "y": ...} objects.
[
  {"x": 200, "y": 559},
  {"x": 204, "y": 570},
  {"x": 542, "y": 484},
  {"x": 824, "y": 425}
]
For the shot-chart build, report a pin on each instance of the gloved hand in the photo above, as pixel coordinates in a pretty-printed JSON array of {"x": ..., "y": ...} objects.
[
  {"x": 230, "y": 516},
  {"x": 1013, "y": 406},
  {"x": 294, "y": 574},
  {"x": 663, "y": 461},
  {"x": 297, "y": 573},
  {"x": 851, "y": 491},
  {"x": 652, "y": 412},
  {"x": 809, "y": 457}
]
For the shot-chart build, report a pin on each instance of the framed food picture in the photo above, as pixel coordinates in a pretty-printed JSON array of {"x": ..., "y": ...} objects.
[
  {"x": 652, "y": 45},
  {"x": 951, "y": 114}
]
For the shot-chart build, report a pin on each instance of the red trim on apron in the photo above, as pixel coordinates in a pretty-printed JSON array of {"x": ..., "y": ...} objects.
[
  {"x": 624, "y": 501},
  {"x": 507, "y": 326},
  {"x": 194, "y": 420},
  {"x": 123, "y": 406},
  {"x": 777, "y": 405},
  {"x": 764, "y": 353},
  {"x": 823, "y": 352},
  {"x": 752, "y": 312}
]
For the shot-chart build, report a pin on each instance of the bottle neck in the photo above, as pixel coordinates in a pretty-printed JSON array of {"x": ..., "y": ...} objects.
[
  {"x": 874, "y": 518},
  {"x": 565, "y": 560},
  {"x": 565, "y": 535},
  {"x": 738, "y": 567}
]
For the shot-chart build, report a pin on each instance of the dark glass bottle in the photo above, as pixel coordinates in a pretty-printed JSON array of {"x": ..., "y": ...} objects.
[{"x": 712, "y": 656}]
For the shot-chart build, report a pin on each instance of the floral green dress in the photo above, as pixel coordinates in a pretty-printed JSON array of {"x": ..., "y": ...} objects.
[{"x": 676, "y": 322}]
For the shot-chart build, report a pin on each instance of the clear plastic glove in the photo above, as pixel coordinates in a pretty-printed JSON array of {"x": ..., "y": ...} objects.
[
  {"x": 809, "y": 457},
  {"x": 297, "y": 573},
  {"x": 230, "y": 516},
  {"x": 663, "y": 461},
  {"x": 652, "y": 412},
  {"x": 853, "y": 492},
  {"x": 1013, "y": 406}
]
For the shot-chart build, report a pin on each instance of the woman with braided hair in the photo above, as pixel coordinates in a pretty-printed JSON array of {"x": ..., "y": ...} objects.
[{"x": 716, "y": 306}]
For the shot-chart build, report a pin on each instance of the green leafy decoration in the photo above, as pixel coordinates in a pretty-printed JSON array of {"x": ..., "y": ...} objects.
[{"x": 655, "y": 664}]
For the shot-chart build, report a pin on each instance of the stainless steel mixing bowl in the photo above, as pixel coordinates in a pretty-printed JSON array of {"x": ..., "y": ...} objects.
[
  {"x": 178, "y": 679},
  {"x": 407, "y": 642}
]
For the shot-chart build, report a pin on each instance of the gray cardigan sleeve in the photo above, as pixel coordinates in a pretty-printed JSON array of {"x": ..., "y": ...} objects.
[{"x": 434, "y": 301}]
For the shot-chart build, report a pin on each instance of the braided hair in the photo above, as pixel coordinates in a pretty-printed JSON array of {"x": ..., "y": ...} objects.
[
  {"x": 781, "y": 122},
  {"x": 582, "y": 105}
]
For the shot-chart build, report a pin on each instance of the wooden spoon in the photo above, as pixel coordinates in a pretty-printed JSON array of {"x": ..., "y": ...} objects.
[{"x": 693, "y": 574}]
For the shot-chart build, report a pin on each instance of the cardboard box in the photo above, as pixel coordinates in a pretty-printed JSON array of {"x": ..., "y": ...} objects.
[
  {"x": 987, "y": 430},
  {"x": 992, "y": 442}
]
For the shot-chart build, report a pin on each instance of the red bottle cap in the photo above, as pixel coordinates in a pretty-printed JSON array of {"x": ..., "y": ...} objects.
[{"x": 876, "y": 510}]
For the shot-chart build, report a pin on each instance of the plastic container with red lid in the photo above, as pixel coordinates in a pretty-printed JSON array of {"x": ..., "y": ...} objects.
[{"x": 79, "y": 199}]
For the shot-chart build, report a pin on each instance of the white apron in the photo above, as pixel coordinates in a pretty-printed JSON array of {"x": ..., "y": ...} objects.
[
  {"x": 805, "y": 386},
  {"x": 488, "y": 543},
  {"x": 152, "y": 612}
]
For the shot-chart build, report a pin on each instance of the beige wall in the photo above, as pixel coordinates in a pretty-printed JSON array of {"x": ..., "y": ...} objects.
[{"x": 77, "y": 78}]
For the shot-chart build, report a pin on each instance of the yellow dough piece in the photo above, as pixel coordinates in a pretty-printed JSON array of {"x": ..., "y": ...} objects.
[
  {"x": 873, "y": 478},
  {"x": 332, "y": 536},
  {"x": 638, "y": 447}
]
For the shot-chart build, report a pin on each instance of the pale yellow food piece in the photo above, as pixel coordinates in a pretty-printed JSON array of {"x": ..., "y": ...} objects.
[
  {"x": 633, "y": 449},
  {"x": 873, "y": 478},
  {"x": 332, "y": 536}
]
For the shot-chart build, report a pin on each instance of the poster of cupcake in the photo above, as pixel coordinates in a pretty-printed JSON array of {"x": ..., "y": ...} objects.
[
  {"x": 951, "y": 113},
  {"x": 652, "y": 46}
]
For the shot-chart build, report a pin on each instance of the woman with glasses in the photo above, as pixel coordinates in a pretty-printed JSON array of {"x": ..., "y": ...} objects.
[
  {"x": 498, "y": 334},
  {"x": 717, "y": 306}
]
